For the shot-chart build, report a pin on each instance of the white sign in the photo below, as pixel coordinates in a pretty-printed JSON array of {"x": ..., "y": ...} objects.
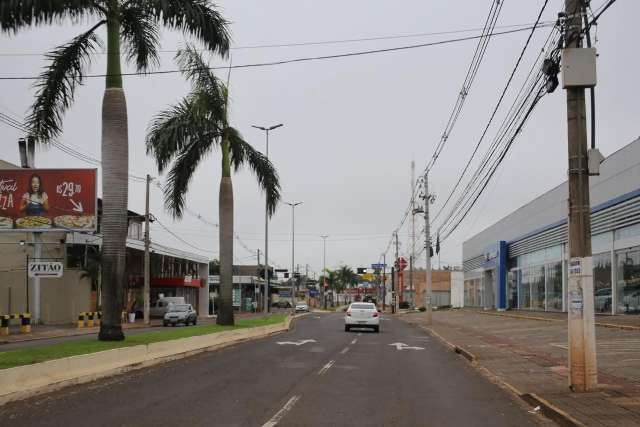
[{"x": 45, "y": 269}]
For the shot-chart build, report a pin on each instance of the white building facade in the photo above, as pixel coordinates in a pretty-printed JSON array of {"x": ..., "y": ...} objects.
[{"x": 520, "y": 262}]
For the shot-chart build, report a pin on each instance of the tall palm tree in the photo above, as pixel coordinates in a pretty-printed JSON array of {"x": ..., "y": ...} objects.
[
  {"x": 134, "y": 24},
  {"x": 183, "y": 135},
  {"x": 346, "y": 276}
]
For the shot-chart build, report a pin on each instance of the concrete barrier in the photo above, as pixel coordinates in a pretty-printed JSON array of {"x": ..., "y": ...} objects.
[{"x": 25, "y": 381}]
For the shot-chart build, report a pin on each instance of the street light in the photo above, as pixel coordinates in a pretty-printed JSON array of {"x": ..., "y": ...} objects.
[
  {"x": 293, "y": 251},
  {"x": 324, "y": 268},
  {"x": 266, "y": 225}
]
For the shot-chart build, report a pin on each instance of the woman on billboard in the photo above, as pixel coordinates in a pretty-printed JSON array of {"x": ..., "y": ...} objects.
[{"x": 35, "y": 202}]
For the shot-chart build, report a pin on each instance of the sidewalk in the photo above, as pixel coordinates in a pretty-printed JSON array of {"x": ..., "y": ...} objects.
[{"x": 529, "y": 356}]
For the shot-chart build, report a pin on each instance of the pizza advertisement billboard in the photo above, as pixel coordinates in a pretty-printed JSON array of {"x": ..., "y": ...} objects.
[{"x": 48, "y": 200}]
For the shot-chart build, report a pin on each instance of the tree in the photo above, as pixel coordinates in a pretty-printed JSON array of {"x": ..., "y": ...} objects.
[
  {"x": 91, "y": 271},
  {"x": 183, "y": 135},
  {"x": 347, "y": 277},
  {"x": 134, "y": 24}
]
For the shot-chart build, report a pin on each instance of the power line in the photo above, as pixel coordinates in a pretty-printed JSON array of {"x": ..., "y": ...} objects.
[
  {"x": 495, "y": 110},
  {"x": 181, "y": 239},
  {"x": 291, "y": 61},
  {"x": 305, "y": 43}
]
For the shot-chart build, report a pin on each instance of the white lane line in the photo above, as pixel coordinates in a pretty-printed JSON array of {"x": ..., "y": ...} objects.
[
  {"x": 326, "y": 367},
  {"x": 282, "y": 412},
  {"x": 359, "y": 333},
  {"x": 344, "y": 350},
  {"x": 355, "y": 340}
]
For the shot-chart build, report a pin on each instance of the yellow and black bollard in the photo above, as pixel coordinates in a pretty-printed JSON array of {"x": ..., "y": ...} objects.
[
  {"x": 25, "y": 323},
  {"x": 4, "y": 325},
  {"x": 90, "y": 319},
  {"x": 81, "y": 320}
]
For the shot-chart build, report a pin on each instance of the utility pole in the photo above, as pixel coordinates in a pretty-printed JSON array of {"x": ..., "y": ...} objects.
[
  {"x": 293, "y": 253},
  {"x": 396, "y": 295},
  {"x": 583, "y": 374},
  {"x": 427, "y": 242},
  {"x": 147, "y": 263},
  {"x": 259, "y": 287},
  {"x": 323, "y": 300},
  {"x": 384, "y": 279},
  {"x": 267, "y": 278},
  {"x": 413, "y": 233}
]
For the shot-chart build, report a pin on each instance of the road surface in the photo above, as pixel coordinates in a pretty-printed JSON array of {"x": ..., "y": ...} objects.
[{"x": 314, "y": 375}]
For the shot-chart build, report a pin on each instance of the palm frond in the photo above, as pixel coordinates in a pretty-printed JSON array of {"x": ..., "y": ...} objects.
[
  {"x": 181, "y": 172},
  {"x": 202, "y": 79},
  {"x": 140, "y": 35},
  {"x": 197, "y": 18},
  {"x": 57, "y": 84},
  {"x": 176, "y": 128},
  {"x": 16, "y": 14},
  {"x": 243, "y": 153}
]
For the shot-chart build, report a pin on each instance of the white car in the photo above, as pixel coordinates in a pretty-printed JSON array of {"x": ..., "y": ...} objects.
[
  {"x": 362, "y": 315},
  {"x": 302, "y": 307}
]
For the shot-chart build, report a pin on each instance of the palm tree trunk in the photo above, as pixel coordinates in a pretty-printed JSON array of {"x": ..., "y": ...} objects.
[
  {"x": 115, "y": 171},
  {"x": 225, "y": 308}
]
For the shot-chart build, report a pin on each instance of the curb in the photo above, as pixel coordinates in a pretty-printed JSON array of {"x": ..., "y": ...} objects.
[
  {"x": 455, "y": 348},
  {"x": 30, "y": 380},
  {"x": 550, "y": 411}
]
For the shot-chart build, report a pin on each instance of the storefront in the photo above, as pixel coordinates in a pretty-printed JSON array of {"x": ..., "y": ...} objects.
[{"x": 533, "y": 242}]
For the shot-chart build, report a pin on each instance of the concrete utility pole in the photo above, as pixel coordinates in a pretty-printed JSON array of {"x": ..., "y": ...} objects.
[
  {"x": 147, "y": 263},
  {"x": 396, "y": 295},
  {"x": 293, "y": 253},
  {"x": 384, "y": 280},
  {"x": 427, "y": 241},
  {"x": 582, "y": 352},
  {"x": 267, "y": 279},
  {"x": 259, "y": 287},
  {"x": 413, "y": 233},
  {"x": 323, "y": 300}
]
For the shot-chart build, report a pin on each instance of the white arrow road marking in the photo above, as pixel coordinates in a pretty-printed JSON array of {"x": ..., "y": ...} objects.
[
  {"x": 326, "y": 367},
  {"x": 344, "y": 350},
  {"x": 403, "y": 346},
  {"x": 282, "y": 412},
  {"x": 301, "y": 342},
  {"x": 77, "y": 207},
  {"x": 355, "y": 340}
]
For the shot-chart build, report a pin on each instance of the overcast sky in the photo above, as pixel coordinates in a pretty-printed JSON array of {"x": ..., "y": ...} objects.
[{"x": 351, "y": 125}]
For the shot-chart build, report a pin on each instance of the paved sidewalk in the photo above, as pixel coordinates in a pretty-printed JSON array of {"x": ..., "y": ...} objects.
[{"x": 530, "y": 356}]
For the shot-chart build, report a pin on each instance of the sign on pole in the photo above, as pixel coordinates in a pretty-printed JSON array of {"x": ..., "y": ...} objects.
[
  {"x": 48, "y": 200},
  {"x": 378, "y": 266},
  {"x": 45, "y": 269}
]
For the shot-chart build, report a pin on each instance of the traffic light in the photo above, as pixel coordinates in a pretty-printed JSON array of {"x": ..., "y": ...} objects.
[{"x": 361, "y": 270}]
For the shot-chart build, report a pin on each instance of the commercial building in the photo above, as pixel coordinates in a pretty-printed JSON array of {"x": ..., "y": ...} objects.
[
  {"x": 521, "y": 261},
  {"x": 61, "y": 299},
  {"x": 446, "y": 287}
]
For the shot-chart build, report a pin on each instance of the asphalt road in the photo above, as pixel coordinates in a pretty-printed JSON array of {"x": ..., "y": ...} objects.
[{"x": 355, "y": 379}]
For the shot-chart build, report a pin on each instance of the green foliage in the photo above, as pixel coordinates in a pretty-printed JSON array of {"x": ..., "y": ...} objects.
[
  {"x": 183, "y": 135},
  {"x": 32, "y": 355}
]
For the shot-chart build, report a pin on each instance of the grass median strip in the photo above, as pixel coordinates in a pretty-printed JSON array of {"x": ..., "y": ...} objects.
[{"x": 28, "y": 356}]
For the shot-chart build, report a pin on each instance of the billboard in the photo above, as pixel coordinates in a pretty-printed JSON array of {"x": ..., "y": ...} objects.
[{"x": 48, "y": 200}]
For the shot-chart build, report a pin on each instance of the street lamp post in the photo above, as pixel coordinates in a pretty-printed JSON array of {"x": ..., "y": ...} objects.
[
  {"x": 265, "y": 307},
  {"x": 324, "y": 269},
  {"x": 293, "y": 252}
]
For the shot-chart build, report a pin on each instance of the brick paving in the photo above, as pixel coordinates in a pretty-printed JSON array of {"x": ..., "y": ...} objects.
[{"x": 531, "y": 355}]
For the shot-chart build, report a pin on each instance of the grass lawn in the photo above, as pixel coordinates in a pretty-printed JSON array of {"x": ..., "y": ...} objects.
[{"x": 28, "y": 356}]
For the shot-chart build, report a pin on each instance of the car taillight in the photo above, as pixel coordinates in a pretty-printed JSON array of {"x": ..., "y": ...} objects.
[
  {"x": 375, "y": 314},
  {"x": 348, "y": 313}
]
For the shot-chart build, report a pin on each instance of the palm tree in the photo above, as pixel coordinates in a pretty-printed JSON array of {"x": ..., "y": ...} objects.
[
  {"x": 134, "y": 24},
  {"x": 183, "y": 135}
]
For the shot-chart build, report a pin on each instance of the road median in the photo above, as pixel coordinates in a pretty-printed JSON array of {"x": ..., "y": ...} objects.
[{"x": 28, "y": 378}]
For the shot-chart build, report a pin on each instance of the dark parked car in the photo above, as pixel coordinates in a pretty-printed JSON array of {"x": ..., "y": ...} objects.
[
  {"x": 281, "y": 304},
  {"x": 180, "y": 313}
]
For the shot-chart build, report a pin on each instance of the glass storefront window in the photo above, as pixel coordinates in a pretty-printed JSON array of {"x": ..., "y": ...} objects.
[
  {"x": 524, "y": 290},
  {"x": 602, "y": 283},
  {"x": 537, "y": 287},
  {"x": 554, "y": 286},
  {"x": 628, "y": 286},
  {"x": 512, "y": 289},
  {"x": 626, "y": 232}
]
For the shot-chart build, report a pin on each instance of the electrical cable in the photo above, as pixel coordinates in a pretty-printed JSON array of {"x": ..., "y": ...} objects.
[{"x": 288, "y": 61}]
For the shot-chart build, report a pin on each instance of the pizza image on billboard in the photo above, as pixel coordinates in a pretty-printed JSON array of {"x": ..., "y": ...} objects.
[{"x": 48, "y": 200}]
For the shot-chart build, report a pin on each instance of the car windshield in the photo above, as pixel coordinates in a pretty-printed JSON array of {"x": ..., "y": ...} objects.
[
  {"x": 363, "y": 306},
  {"x": 179, "y": 307}
]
